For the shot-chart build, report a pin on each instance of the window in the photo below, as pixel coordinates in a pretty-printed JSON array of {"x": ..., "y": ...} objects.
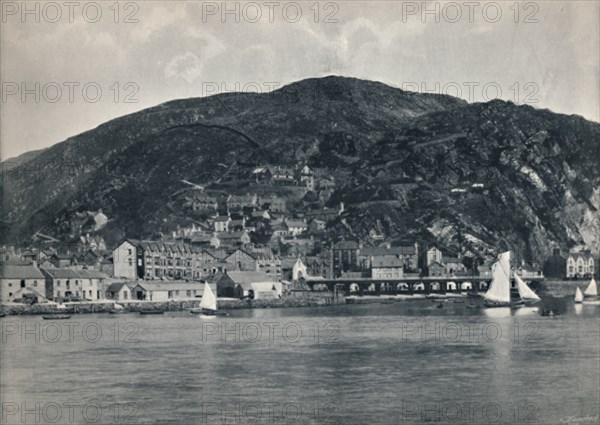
[
  {"x": 35, "y": 283},
  {"x": 58, "y": 283},
  {"x": 188, "y": 293},
  {"x": 10, "y": 294},
  {"x": 23, "y": 283},
  {"x": 58, "y": 293},
  {"x": 10, "y": 284},
  {"x": 124, "y": 295}
]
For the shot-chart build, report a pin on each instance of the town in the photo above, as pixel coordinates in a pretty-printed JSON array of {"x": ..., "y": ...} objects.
[{"x": 259, "y": 245}]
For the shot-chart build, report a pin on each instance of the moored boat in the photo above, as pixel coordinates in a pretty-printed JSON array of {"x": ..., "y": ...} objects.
[
  {"x": 499, "y": 293},
  {"x": 147, "y": 311},
  {"x": 592, "y": 290},
  {"x": 56, "y": 316},
  {"x": 208, "y": 305},
  {"x": 578, "y": 296}
]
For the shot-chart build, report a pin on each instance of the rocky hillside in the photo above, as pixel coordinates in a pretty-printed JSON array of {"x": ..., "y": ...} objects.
[{"x": 411, "y": 165}]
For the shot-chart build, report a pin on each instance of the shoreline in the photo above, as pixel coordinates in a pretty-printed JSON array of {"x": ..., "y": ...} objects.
[{"x": 553, "y": 288}]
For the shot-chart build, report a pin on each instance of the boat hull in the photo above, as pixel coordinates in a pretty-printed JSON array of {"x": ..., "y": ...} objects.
[
  {"x": 492, "y": 304},
  {"x": 56, "y": 317}
]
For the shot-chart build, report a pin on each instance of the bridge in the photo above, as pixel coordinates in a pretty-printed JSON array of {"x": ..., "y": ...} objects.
[{"x": 409, "y": 284}]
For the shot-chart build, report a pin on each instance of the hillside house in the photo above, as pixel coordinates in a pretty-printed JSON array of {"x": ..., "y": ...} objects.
[
  {"x": 238, "y": 202},
  {"x": 408, "y": 254},
  {"x": 435, "y": 269},
  {"x": 221, "y": 223},
  {"x": 203, "y": 202},
  {"x": 387, "y": 267},
  {"x": 296, "y": 227},
  {"x": 454, "y": 266},
  {"x": 275, "y": 204},
  {"x": 283, "y": 176},
  {"x": 434, "y": 255},
  {"x": 307, "y": 178},
  {"x": 233, "y": 240}
]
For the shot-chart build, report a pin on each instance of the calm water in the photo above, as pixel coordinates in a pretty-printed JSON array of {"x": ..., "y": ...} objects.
[{"x": 407, "y": 362}]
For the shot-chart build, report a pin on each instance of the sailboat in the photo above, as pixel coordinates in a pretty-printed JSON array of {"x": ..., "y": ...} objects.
[
  {"x": 591, "y": 290},
  {"x": 578, "y": 296},
  {"x": 525, "y": 292},
  {"x": 208, "y": 305},
  {"x": 498, "y": 294}
]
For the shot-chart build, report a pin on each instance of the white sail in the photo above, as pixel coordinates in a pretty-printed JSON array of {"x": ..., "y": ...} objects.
[
  {"x": 209, "y": 301},
  {"x": 525, "y": 292},
  {"x": 499, "y": 290},
  {"x": 591, "y": 290},
  {"x": 578, "y": 295}
]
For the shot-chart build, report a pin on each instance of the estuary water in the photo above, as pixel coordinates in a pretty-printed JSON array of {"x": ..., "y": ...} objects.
[{"x": 382, "y": 363}]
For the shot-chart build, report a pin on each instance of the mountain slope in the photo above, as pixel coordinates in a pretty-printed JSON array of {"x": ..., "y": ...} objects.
[{"x": 396, "y": 157}]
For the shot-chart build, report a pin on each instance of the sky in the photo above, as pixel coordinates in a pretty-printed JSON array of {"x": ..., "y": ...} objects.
[{"x": 68, "y": 67}]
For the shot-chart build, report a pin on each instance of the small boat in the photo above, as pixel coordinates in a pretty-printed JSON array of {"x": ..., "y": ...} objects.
[
  {"x": 147, "y": 311},
  {"x": 458, "y": 301},
  {"x": 591, "y": 290},
  {"x": 56, "y": 316},
  {"x": 2, "y": 314},
  {"x": 208, "y": 305},
  {"x": 436, "y": 296},
  {"x": 578, "y": 296},
  {"x": 473, "y": 294},
  {"x": 118, "y": 312},
  {"x": 549, "y": 313},
  {"x": 440, "y": 305},
  {"x": 473, "y": 306}
]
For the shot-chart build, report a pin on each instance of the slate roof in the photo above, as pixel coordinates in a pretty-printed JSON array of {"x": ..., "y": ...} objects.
[{"x": 10, "y": 271}]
